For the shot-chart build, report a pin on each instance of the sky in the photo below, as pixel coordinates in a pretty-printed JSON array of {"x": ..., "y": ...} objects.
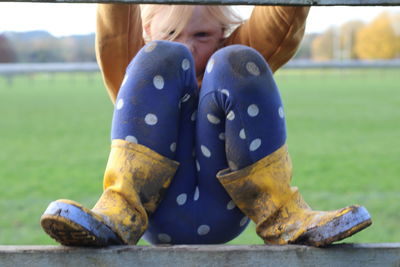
[{"x": 62, "y": 19}]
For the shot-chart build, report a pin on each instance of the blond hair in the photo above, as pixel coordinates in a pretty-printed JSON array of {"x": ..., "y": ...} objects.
[{"x": 176, "y": 17}]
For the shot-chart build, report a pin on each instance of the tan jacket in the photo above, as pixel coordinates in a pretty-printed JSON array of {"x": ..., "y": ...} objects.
[{"x": 274, "y": 31}]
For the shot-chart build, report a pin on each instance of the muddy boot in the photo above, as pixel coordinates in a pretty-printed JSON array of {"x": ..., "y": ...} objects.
[
  {"x": 263, "y": 192},
  {"x": 134, "y": 182}
]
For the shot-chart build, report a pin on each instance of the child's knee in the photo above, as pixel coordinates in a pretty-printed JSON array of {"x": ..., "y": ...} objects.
[
  {"x": 163, "y": 54},
  {"x": 161, "y": 65},
  {"x": 241, "y": 61},
  {"x": 238, "y": 70}
]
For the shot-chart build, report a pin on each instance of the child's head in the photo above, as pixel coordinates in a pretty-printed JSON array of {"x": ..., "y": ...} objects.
[{"x": 201, "y": 28}]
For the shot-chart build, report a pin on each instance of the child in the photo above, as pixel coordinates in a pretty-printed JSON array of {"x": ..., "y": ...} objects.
[{"x": 198, "y": 133}]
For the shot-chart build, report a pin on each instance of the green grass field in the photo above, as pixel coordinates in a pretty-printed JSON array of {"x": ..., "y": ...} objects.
[{"x": 343, "y": 135}]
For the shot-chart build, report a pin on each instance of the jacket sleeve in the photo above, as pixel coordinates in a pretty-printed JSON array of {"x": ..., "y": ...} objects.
[
  {"x": 118, "y": 39},
  {"x": 274, "y": 31}
]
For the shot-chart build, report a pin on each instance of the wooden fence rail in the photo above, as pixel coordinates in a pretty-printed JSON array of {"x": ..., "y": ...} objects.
[{"x": 354, "y": 255}]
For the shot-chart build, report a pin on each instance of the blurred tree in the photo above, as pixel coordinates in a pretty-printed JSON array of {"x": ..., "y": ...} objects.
[
  {"x": 378, "y": 40},
  {"x": 7, "y": 52},
  {"x": 323, "y": 47},
  {"x": 41, "y": 46},
  {"x": 44, "y": 50},
  {"x": 33, "y": 46},
  {"x": 78, "y": 48},
  {"x": 347, "y": 35},
  {"x": 67, "y": 49},
  {"x": 304, "y": 51},
  {"x": 395, "y": 20}
]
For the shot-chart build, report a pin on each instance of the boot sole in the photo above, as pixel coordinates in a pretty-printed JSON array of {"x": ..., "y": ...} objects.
[
  {"x": 71, "y": 226},
  {"x": 337, "y": 229}
]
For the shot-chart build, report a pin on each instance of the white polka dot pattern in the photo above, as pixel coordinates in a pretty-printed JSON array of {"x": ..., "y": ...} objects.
[
  {"x": 120, "y": 104},
  {"x": 252, "y": 68},
  {"x": 221, "y": 136},
  {"x": 225, "y": 92},
  {"x": 196, "y": 194},
  {"x": 132, "y": 139},
  {"x": 213, "y": 119},
  {"x": 173, "y": 147},
  {"x": 281, "y": 112},
  {"x": 231, "y": 205},
  {"x": 242, "y": 134},
  {"x": 197, "y": 166},
  {"x": 158, "y": 82},
  {"x": 203, "y": 229},
  {"x": 185, "y": 98},
  {"x": 255, "y": 144},
  {"x": 206, "y": 152},
  {"x": 231, "y": 115},
  {"x": 253, "y": 110},
  {"x": 185, "y": 64},
  {"x": 243, "y": 221},
  {"x": 181, "y": 199},
  {"x": 151, "y": 119},
  {"x": 164, "y": 238}
]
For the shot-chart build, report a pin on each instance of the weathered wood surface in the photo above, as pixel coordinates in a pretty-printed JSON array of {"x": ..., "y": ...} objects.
[
  {"x": 236, "y": 2},
  {"x": 365, "y": 255}
]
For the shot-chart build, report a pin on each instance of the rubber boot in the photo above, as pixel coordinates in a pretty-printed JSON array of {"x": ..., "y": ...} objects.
[
  {"x": 134, "y": 182},
  {"x": 263, "y": 192}
]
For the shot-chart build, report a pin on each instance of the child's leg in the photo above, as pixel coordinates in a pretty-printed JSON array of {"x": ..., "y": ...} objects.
[
  {"x": 161, "y": 98},
  {"x": 156, "y": 107},
  {"x": 200, "y": 211},
  {"x": 205, "y": 211},
  {"x": 158, "y": 91},
  {"x": 240, "y": 112},
  {"x": 240, "y": 120},
  {"x": 258, "y": 179},
  {"x": 159, "y": 88}
]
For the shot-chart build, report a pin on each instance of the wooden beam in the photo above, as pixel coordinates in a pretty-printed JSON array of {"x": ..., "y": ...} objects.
[
  {"x": 235, "y": 2},
  {"x": 355, "y": 255}
]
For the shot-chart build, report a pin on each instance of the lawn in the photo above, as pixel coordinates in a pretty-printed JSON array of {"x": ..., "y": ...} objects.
[{"x": 343, "y": 136}]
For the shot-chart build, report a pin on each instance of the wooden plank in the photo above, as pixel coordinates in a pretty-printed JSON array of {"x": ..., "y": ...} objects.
[
  {"x": 236, "y": 2},
  {"x": 355, "y": 255}
]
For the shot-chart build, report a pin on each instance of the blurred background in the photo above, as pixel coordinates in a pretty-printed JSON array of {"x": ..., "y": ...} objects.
[
  {"x": 341, "y": 95},
  {"x": 65, "y": 33}
]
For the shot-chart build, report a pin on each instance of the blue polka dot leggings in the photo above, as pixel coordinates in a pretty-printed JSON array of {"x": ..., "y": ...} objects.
[{"x": 234, "y": 120}]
